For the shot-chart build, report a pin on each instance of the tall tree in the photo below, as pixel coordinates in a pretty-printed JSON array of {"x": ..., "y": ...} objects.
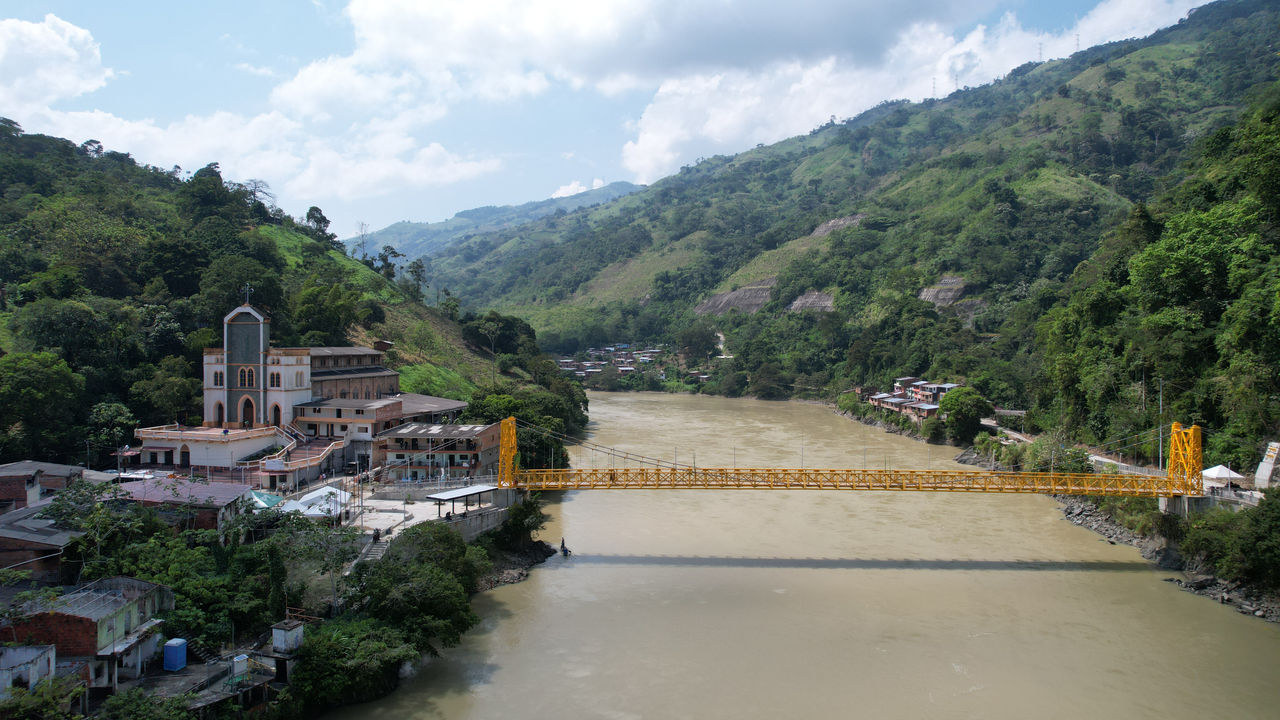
[{"x": 39, "y": 407}]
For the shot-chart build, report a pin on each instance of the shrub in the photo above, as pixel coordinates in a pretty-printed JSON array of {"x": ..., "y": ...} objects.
[{"x": 934, "y": 430}]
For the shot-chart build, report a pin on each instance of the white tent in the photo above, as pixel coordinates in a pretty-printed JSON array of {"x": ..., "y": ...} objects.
[{"x": 1221, "y": 472}]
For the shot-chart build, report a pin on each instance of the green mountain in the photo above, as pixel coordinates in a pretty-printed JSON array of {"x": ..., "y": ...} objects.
[
  {"x": 940, "y": 239},
  {"x": 415, "y": 240}
]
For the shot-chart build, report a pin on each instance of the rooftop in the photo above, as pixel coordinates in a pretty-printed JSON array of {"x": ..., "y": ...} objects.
[
  {"x": 415, "y": 403},
  {"x": 101, "y": 598},
  {"x": 332, "y": 351},
  {"x": 358, "y": 371},
  {"x": 26, "y": 524},
  {"x": 25, "y": 468},
  {"x": 184, "y": 491},
  {"x": 428, "y": 430},
  {"x": 351, "y": 403},
  {"x": 459, "y": 493}
]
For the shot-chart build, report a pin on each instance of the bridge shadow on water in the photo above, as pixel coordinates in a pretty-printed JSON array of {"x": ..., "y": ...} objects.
[{"x": 862, "y": 563}]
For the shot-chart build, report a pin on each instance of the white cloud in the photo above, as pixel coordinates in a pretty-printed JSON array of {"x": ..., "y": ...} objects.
[
  {"x": 734, "y": 109},
  {"x": 572, "y": 188},
  {"x": 255, "y": 70},
  {"x": 378, "y": 164},
  {"x": 597, "y": 183},
  {"x": 448, "y": 51},
  {"x": 43, "y": 63}
]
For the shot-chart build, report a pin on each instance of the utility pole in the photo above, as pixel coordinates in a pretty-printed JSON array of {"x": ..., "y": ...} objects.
[{"x": 1160, "y": 428}]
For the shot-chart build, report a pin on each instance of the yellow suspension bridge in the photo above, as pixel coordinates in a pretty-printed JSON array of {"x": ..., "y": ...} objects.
[{"x": 1183, "y": 477}]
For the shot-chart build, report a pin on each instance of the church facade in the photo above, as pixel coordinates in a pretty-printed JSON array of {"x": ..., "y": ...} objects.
[{"x": 248, "y": 383}]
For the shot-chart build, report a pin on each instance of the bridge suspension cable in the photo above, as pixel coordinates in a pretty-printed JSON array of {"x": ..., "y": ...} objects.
[{"x": 1183, "y": 476}]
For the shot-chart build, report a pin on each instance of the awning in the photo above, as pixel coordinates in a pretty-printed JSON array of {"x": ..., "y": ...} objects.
[
  {"x": 462, "y": 492},
  {"x": 157, "y": 448}
]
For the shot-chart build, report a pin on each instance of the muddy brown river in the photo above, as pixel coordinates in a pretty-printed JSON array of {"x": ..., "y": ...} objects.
[{"x": 817, "y": 604}]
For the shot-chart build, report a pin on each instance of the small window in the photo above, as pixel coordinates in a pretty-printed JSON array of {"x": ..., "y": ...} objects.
[
  {"x": 275, "y": 379},
  {"x": 252, "y": 379}
]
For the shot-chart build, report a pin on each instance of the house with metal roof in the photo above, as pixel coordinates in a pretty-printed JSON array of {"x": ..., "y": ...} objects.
[{"x": 110, "y": 623}]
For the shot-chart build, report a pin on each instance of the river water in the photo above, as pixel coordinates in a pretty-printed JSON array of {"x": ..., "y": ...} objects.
[{"x": 808, "y": 604}]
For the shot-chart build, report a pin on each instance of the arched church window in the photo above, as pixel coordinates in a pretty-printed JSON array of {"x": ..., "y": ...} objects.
[
  {"x": 251, "y": 379},
  {"x": 244, "y": 377}
]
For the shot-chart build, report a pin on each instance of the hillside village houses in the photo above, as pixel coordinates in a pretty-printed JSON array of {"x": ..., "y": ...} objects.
[
  {"x": 320, "y": 406},
  {"x": 913, "y": 397},
  {"x": 620, "y": 357}
]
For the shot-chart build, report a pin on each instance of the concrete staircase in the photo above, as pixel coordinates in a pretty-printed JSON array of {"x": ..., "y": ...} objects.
[{"x": 376, "y": 550}]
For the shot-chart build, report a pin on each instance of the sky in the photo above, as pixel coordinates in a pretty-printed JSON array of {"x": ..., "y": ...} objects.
[{"x": 379, "y": 111}]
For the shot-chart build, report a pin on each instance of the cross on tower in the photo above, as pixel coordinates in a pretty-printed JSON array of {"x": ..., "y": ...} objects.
[{"x": 247, "y": 290}]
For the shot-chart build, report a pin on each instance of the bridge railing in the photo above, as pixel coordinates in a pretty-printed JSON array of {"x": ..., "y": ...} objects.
[{"x": 639, "y": 478}]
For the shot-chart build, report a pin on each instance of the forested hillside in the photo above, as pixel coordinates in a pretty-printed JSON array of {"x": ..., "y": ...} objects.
[
  {"x": 415, "y": 240},
  {"x": 1131, "y": 158},
  {"x": 114, "y": 277}
]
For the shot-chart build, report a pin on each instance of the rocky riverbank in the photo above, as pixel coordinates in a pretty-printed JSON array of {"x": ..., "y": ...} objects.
[
  {"x": 513, "y": 566},
  {"x": 1164, "y": 554}
]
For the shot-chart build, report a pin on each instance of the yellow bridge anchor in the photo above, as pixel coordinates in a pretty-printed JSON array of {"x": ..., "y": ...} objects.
[{"x": 1182, "y": 478}]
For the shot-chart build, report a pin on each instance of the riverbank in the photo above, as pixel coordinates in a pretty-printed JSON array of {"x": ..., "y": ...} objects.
[{"x": 510, "y": 567}]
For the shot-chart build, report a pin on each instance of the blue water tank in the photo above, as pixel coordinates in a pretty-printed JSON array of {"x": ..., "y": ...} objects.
[{"x": 175, "y": 654}]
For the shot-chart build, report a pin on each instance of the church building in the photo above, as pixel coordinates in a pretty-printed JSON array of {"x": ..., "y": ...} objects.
[{"x": 320, "y": 406}]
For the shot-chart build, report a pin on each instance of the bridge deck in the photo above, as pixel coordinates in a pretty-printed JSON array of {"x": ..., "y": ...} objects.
[{"x": 976, "y": 480}]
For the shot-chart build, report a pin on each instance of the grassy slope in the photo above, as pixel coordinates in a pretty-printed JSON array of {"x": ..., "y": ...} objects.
[{"x": 429, "y": 351}]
